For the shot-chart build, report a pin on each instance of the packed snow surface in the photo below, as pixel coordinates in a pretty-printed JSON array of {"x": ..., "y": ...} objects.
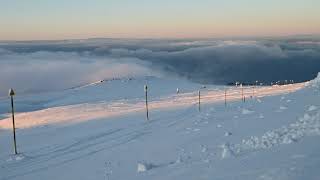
[
  {"x": 103, "y": 109},
  {"x": 100, "y": 131}
]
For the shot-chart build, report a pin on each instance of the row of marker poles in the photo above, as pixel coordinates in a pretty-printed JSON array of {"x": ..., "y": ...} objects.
[
  {"x": 243, "y": 98},
  {"x": 12, "y": 93},
  {"x": 199, "y": 100}
]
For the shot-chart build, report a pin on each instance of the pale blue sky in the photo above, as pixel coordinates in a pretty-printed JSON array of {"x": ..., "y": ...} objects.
[{"x": 63, "y": 19}]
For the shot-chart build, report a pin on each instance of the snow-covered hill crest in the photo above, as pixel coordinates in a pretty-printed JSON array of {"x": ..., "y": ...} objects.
[{"x": 273, "y": 134}]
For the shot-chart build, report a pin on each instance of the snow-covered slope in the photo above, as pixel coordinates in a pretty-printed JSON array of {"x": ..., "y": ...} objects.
[
  {"x": 272, "y": 136},
  {"x": 105, "y": 90}
]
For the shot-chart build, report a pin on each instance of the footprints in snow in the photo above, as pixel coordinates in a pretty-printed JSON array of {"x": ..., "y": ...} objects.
[
  {"x": 281, "y": 109},
  {"x": 202, "y": 120}
]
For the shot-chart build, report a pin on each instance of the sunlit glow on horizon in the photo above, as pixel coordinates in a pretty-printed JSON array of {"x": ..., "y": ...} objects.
[{"x": 155, "y": 19}]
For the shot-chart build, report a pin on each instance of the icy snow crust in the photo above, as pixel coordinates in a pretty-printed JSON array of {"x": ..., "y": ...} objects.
[{"x": 78, "y": 136}]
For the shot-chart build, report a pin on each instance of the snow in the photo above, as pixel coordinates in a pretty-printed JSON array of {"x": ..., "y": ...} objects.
[
  {"x": 99, "y": 131},
  {"x": 17, "y": 157},
  {"x": 312, "y": 108},
  {"x": 227, "y": 134},
  {"x": 246, "y": 111},
  {"x": 77, "y": 113},
  {"x": 308, "y": 125},
  {"x": 315, "y": 82},
  {"x": 142, "y": 167},
  {"x": 226, "y": 151}
]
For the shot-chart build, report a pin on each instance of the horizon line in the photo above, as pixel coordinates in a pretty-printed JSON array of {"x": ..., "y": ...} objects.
[{"x": 168, "y": 38}]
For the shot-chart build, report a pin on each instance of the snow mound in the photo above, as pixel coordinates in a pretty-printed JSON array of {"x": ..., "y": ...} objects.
[
  {"x": 315, "y": 82},
  {"x": 183, "y": 158},
  {"x": 308, "y": 125},
  {"x": 226, "y": 151},
  {"x": 283, "y": 108},
  {"x": 17, "y": 157},
  {"x": 219, "y": 126},
  {"x": 312, "y": 108},
  {"x": 246, "y": 111},
  {"x": 143, "y": 167},
  {"x": 227, "y": 134}
]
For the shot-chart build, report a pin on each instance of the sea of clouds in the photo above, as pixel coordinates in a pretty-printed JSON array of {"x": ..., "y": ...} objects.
[{"x": 38, "y": 66}]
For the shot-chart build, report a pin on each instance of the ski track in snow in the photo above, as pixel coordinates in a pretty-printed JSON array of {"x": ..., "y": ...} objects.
[
  {"x": 68, "y": 152},
  {"x": 83, "y": 147},
  {"x": 107, "y": 139}
]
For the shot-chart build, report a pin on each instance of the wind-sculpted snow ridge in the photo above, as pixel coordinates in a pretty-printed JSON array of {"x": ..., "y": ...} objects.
[
  {"x": 308, "y": 125},
  {"x": 315, "y": 82}
]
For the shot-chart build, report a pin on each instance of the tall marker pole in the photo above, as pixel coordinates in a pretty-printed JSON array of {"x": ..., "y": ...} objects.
[
  {"x": 11, "y": 94},
  {"x": 256, "y": 86},
  {"x": 253, "y": 91},
  {"x": 199, "y": 100},
  {"x": 225, "y": 97},
  {"x": 242, "y": 93},
  {"x": 146, "y": 94}
]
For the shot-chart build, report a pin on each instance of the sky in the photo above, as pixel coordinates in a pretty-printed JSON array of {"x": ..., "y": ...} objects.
[{"x": 73, "y": 19}]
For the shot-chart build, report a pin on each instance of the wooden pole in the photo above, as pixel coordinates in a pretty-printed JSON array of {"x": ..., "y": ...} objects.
[
  {"x": 199, "y": 100},
  {"x": 146, "y": 95},
  {"x": 255, "y": 87},
  {"x": 253, "y": 91},
  {"x": 225, "y": 97},
  {"x": 11, "y": 93},
  {"x": 242, "y": 93}
]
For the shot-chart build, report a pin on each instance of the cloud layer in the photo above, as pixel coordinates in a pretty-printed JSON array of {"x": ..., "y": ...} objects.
[
  {"x": 54, "y": 65},
  {"x": 50, "y": 71}
]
